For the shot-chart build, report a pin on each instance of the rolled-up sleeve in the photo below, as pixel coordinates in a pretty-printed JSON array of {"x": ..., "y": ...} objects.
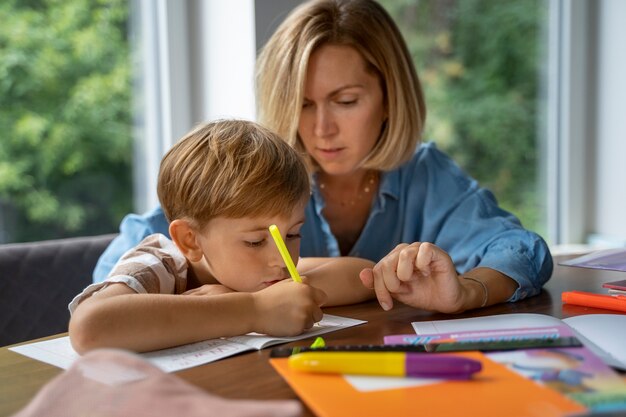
[{"x": 466, "y": 221}]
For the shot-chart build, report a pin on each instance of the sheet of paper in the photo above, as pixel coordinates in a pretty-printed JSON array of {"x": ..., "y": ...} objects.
[
  {"x": 607, "y": 331},
  {"x": 496, "y": 322},
  {"x": 329, "y": 323},
  {"x": 381, "y": 383},
  {"x": 59, "y": 352},
  {"x": 611, "y": 259}
]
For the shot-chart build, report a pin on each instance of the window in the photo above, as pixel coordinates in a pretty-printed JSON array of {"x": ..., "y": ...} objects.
[
  {"x": 71, "y": 150},
  {"x": 65, "y": 118},
  {"x": 481, "y": 63}
]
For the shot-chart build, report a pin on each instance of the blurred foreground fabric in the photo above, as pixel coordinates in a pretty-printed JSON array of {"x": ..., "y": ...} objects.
[{"x": 112, "y": 383}]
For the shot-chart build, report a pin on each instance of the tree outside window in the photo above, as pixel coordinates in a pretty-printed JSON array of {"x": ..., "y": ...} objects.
[
  {"x": 65, "y": 118},
  {"x": 480, "y": 63}
]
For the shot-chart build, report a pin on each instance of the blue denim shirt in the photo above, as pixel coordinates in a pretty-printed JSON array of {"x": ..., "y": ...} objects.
[{"x": 428, "y": 199}]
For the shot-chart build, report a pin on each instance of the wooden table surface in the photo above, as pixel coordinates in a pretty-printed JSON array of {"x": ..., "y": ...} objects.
[{"x": 250, "y": 376}]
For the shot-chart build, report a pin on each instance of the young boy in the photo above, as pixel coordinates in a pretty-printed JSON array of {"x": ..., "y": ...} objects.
[{"x": 221, "y": 187}]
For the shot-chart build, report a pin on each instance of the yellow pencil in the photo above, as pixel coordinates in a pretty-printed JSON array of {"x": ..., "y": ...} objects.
[{"x": 280, "y": 244}]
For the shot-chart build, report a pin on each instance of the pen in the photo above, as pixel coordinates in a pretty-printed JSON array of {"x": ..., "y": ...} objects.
[
  {"x": 280, "y": 244},
  {"x": 588, "y": 299},
  {"x": 401, "y": 364}
]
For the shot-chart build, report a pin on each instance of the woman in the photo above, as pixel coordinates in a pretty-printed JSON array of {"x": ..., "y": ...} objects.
[{"x": 337, "y": 82}]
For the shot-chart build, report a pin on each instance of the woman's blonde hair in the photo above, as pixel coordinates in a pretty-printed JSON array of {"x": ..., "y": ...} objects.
[
  {"x": 231, "y": 168},
  {"x": 368, "y": 28}
]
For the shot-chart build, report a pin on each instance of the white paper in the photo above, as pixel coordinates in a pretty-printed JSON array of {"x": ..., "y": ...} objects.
[
  {"x": 59, "y": 351},
  {"x": 329, "y": 323},
  {"x": 496, "y": 322},
  {"x": 607, "y": 332},
  {"x": 610, "y": 259},
  {"x": 381, "y": 383},
  {"x": 603, "y": 334}
]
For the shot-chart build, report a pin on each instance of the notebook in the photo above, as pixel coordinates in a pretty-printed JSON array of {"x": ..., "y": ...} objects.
[
  {"x": 59, "y": 352},
  {"x": 603, "y": 334}
]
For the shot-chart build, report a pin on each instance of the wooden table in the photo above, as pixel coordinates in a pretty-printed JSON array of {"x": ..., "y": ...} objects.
[{"x": 250, "y": 376}]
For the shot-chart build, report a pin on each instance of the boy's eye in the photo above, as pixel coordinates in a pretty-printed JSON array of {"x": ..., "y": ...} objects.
[
  {"x": 255, "y": 243},
  {"x": 293, "y": 236}
]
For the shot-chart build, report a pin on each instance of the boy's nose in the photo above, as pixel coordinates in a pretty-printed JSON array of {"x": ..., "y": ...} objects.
[{"x": 274, "y": 257}]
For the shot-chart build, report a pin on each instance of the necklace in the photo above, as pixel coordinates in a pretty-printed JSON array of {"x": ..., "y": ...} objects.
[{"x": 365, "y": 188}]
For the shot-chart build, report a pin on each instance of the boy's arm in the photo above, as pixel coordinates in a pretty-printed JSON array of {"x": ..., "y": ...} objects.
[
  {"x": 119, "y": 317},
  {"x": 338, "y": 278}
]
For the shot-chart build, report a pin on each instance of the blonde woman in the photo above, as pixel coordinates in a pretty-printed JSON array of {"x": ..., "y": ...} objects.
[{"x": 336, "y": 81}]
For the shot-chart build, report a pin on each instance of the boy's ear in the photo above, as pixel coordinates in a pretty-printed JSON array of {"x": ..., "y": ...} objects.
[{"x": 184, "y": 237}]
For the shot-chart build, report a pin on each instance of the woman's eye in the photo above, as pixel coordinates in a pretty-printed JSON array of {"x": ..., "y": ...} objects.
[
  {"x": 255, "y": 244},
  {"x": 293, "y": 236},
  {"x": 347, "y": 102}
]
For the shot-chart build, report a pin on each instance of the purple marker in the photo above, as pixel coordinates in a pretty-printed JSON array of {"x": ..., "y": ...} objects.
[{"x": 420, "y": 365}]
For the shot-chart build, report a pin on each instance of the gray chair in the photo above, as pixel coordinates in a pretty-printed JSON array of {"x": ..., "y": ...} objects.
[{"x": 39, "y": 279}]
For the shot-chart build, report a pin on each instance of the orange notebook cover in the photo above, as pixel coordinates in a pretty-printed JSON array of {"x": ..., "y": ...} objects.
[{"x": 495, "y": 392}]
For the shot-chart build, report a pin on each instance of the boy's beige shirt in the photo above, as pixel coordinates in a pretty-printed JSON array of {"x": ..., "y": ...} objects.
[{"x": 155, "y": 266}]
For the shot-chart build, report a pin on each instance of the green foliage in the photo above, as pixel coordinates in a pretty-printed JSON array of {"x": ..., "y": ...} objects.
[
  {"x": 65, "y": 117},
  {"x": 479, "y": 62}
]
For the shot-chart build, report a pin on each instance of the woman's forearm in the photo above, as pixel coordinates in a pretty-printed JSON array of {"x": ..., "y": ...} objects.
[{"x": 485, "y": 287}]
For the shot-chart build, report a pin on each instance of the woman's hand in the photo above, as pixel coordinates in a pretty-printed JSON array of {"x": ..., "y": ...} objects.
[
  {"x": 420, "y": 275},
  {"x": 288, "y": 308}
]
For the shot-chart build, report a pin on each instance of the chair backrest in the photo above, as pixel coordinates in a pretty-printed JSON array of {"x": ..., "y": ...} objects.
[{"x": 39, "y": 279}]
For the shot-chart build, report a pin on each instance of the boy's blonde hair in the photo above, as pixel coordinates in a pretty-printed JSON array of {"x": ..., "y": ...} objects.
[
  {"x": 368, "y": 28},
  {"x": 231, "y": 168}
]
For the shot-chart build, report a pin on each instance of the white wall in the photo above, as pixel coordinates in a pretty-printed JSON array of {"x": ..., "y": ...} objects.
[
  {"x": 608, "y": 213},
  {"x": 197, "y": 59},
  {"x": 227, "y": 58}
]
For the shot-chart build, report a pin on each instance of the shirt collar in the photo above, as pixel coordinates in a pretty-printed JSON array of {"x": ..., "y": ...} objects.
[{"x": 390, "y": 184}]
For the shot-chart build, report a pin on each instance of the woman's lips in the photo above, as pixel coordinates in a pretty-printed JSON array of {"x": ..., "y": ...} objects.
[{"x": 330, "y": 152}]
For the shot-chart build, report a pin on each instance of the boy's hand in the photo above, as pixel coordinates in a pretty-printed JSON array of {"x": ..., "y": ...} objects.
[
  {"x": 287, "y": 308},
  {"x": 421, "y": 275},
  {"x": 209, "y": 289}
]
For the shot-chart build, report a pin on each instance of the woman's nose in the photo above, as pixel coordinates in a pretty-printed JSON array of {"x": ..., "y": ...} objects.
[{"x": 324, "y": 123}]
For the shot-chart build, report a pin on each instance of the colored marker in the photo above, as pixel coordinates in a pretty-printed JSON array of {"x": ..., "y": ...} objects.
[
  {"x": 280, "y": 244},
  {"x": 422, "y": 365},
  {"x": 318, "y": 343},
  {"x": 461, "y": 346},
  {"x": 588, "y": 299}
]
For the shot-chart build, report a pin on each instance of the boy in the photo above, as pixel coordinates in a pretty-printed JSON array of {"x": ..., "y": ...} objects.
[{"x": 221, "y": 187}]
